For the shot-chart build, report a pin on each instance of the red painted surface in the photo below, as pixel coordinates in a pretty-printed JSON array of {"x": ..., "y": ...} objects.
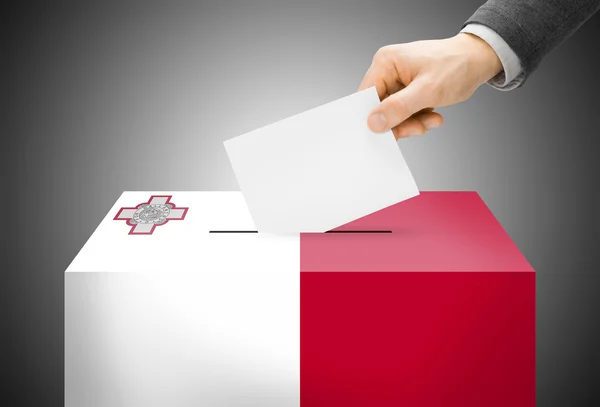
[
  {"x": 435, "y": 231},
  {"x": 417, "y": 339},
  {"x": 441, "y": 312}
]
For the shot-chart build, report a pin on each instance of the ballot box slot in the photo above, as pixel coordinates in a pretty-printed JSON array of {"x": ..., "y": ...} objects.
[
  {"x": 359, "y": 231},
  {"x": 330, "y": 231},
  {"x": 233, "y": 231}
]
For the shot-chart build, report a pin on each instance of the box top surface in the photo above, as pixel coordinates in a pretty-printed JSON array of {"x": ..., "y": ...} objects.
[
  {"x": 175, "y": 231},
  {"x": 435, "y": 231}
]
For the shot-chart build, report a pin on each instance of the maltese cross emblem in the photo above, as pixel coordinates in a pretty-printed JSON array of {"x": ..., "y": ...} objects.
[{"x": 145, "y": 217}]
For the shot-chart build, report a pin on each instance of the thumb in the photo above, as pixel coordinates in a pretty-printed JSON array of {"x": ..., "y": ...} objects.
[{"x": 398, "y": 107}]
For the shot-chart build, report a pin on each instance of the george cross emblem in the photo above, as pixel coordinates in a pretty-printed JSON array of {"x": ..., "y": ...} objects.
[{"x": 145, "y": 217}]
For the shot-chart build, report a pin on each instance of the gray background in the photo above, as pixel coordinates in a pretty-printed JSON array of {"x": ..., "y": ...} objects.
[{"x": 101, "y": 98}]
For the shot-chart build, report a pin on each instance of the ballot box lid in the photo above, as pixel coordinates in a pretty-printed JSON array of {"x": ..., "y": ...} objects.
[
  {"x": 435, "y": 231},
  {"x": 185, "y": 231}
]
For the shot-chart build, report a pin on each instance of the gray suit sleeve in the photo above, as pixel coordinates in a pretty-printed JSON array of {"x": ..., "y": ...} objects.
[{"x": 533, "y": 28}]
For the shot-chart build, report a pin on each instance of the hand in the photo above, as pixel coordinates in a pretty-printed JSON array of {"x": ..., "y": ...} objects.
[{"x": 414, "y": 78}]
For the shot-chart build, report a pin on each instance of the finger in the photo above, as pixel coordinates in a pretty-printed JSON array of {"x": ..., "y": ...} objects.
[
  {"x": 418, "y": 124},
  {"x": 397, "y": 108},
  {"x": 426, "y": 110},
  {"x": 377, "y": 77},
  {"x": 383, "y": 75},
  {"x": 367, "y": 80}
]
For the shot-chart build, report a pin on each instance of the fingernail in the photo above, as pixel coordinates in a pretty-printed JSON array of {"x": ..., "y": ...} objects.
[
  {"x": 431, "y": 124},
  {"x": 377, "y": 122}
]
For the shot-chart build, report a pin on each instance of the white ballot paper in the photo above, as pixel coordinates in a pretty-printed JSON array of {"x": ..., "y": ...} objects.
[{"x": 320, "y": 169}]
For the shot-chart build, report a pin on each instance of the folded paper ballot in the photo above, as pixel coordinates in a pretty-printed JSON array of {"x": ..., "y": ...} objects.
[{"x": 320, "y": 169}]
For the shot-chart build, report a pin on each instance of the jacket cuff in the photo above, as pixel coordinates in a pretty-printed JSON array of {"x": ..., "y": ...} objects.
[
  {"x": 512, "y": 75},
  {"x": 512, "y": 32}
]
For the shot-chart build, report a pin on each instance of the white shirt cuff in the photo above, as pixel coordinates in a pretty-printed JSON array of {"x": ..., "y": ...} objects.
[{"x": 512, "y": 75}]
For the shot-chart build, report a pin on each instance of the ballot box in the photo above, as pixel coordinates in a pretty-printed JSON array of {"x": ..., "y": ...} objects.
[{"x": 177, "y": 300}]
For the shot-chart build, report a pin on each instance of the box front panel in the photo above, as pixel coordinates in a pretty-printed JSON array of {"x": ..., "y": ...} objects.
[
  {"x": 181, "y": 339},
  {"x": 417, "y": 339}
]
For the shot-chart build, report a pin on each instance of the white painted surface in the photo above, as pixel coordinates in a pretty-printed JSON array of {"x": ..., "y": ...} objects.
[{"x": 183, "y": 317}]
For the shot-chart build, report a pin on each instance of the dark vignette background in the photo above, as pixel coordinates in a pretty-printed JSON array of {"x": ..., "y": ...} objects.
[{"x": 105, "y": 97}]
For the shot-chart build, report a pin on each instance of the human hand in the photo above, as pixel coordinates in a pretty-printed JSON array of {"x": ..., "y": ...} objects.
[{"x": 414, "y": 78}]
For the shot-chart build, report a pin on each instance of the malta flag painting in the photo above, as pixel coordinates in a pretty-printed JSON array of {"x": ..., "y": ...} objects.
[{"x": 176, "y": 300}]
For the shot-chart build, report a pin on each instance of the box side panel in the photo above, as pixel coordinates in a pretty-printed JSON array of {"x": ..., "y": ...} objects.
[
  {"x": 182, "y": 339},
  {"x": 417, "y": 339}
]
